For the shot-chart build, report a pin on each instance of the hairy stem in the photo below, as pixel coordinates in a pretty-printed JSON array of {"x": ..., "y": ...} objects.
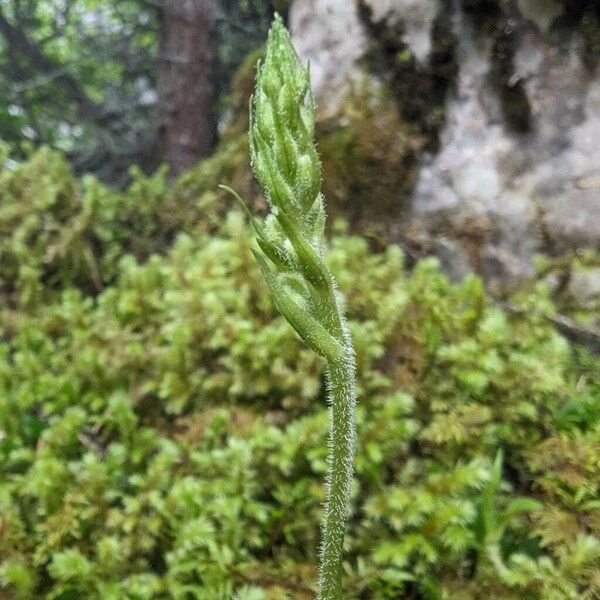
[{"x": 340, "y": 470}]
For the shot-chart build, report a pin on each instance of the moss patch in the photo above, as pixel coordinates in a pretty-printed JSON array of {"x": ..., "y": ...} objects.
[{"x": 368, "y": 163}]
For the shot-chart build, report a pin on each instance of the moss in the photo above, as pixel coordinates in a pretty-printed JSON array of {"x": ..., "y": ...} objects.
[
  {"x": 567, "y": 275},
  {"x": 58, "y": 232},
  {"x": 199, "y": 186},
  {"x": 369, "y": 158},
  {"x": 51, "y": 229},
  {"x": 590, "y": 27},
  {"x": 166, "y": 437}
]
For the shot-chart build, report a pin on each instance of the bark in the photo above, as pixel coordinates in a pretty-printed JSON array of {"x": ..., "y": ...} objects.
[{"x": 186, "y": 83}]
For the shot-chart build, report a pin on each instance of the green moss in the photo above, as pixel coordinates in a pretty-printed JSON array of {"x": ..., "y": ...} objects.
[
  {"x": 575, "y": 280},
  {"x": 368, "y": 158},
  {"x": 58, "y": 232},
  {"x": 164, "y": 435},
  {"x": 199, "y": 186},
  {"x": 167, "y": 437},
  {"x": 162, "y": 431}
]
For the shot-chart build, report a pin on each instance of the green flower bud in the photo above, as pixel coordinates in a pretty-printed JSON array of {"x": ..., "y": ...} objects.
[
  {"x": 292, "y": 260},
  {"x": 282, "y": 125}
]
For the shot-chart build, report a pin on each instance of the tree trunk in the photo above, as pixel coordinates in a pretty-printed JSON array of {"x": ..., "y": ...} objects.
[{"x": 186, "y": 83}]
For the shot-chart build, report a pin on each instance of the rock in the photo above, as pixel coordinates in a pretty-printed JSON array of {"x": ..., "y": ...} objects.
[
  {"x": 328, "y": 34},
  {"x": 472, "y": 179},
  {"x": 514, "y": 170},
  {"x": 416, "y": 19},
  {"x": 540, "y": 190}
]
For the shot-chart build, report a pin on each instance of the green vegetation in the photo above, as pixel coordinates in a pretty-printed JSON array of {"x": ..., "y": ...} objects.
[{"x": 163, "y": 432}]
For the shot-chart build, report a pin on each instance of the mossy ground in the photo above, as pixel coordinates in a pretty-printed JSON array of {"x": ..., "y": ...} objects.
[{"x": 163, "y": 430}]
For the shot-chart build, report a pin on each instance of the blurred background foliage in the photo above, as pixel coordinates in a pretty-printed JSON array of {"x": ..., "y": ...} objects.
[{"x": 82, "y": 75}]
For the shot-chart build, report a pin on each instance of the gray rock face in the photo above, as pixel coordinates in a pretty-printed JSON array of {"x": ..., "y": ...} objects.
[
  {"x": 416, "y": 18},
  {"x": 504, "y": 194},
  {"x": 535, "y": 191},
  {"x": 329, "y": 35},
  {"x": 584, "y": 286},
  {"x": 540, "y": 12}
]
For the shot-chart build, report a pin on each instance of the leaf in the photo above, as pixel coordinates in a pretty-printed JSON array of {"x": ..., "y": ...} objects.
[{"x": 307, "y": 327}]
